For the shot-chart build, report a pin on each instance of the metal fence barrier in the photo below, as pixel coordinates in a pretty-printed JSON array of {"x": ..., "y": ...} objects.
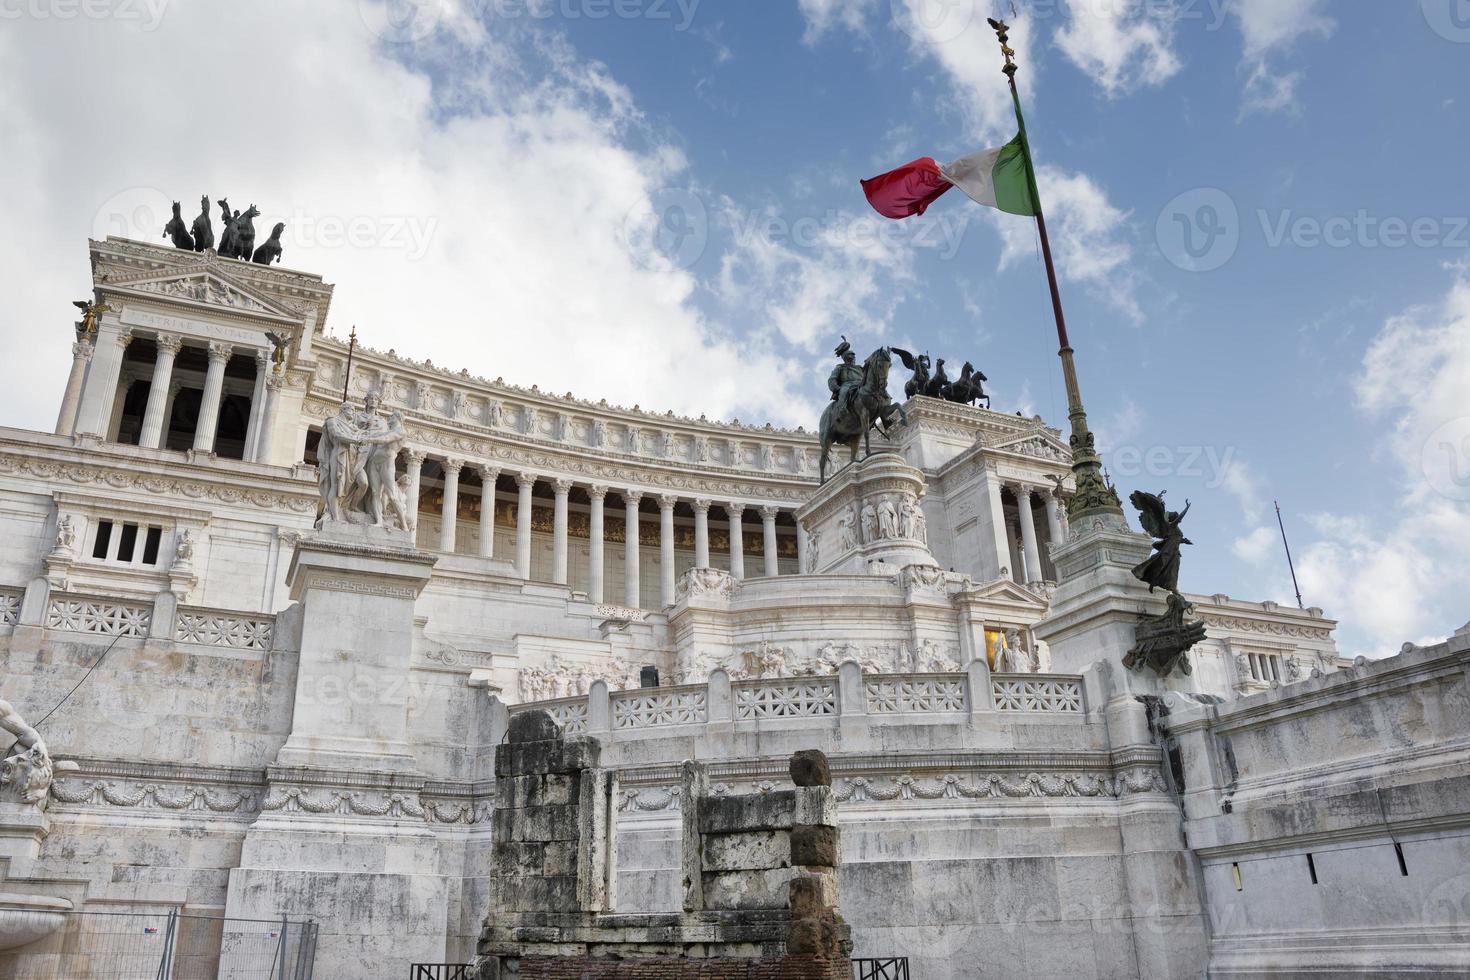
[
  {"x": 441, "y": 971},
  {"x": 169, "y": 945},
  {"x": 896, "y": 968}
]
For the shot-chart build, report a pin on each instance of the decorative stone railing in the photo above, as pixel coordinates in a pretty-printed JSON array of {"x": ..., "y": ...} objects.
[
  {"x": 98, "y": 616},
  {"x": 223, "y": 628},
  {"x": 10, "y": 600},
  {"x": 833, "y": 700}
]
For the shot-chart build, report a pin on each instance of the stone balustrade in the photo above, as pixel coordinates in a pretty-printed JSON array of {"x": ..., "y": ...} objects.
[{"x": 823, "y": 702}]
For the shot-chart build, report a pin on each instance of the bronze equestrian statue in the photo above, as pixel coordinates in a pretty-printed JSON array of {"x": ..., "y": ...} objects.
[{"x": 860, "y": 403}]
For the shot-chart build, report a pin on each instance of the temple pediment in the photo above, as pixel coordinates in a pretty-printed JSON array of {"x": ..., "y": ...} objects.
[
  {"x": 206, "y": 287},
  {"x": 1004, "y": 590},
  {"x": 1040, "y": 444}
]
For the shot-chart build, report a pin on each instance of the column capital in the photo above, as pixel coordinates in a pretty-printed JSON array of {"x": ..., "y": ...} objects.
[
  {"x": 168, "y": 343},
  {"x": 734, "y": 510},
  {"x": 488, "y": 473},
  {"x": 561, "y": 486},
  {"x": 769, "y": 512},
  {"x": 701, "y": 505},
  {"x": 262, "y": 361},
  {"x": 82, "y": 349},
  {"x": 631, "y": 497},
  {"x": 220, "y": 351},
  {"x": 525, "y": 480},
  {"x": 597, "y": 491},
  {"x": 414, "y": 456},
  {"x": 124, "y": 337},
  {"x": 452, "y": 465},
  {"x": 666, "y": 501},
  {"x": 1021, "y": 489}
]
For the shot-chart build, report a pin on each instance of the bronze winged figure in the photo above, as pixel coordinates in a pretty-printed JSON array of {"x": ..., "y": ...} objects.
[{"x": 1161, "y": 570}]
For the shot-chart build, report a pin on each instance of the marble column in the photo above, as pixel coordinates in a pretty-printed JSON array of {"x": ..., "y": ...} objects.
[
  {"x": 524, "y": 481},
  {"x": 1003, "y": 558},
  {"x": 666, "y": 504},
  {"x": 802, "y": 544},
  {"x": 71, "y": 399},
  {"x": 415, "y": 460},
  {"x": 1027, "y": 518},
  {"x": 214, "y": 384},
  {"x": 99, "y": 387},
  {"x": 596, "y": 494},
  {"x": 562, "y": 488},
  {"x": 257, "y": 406},
  {"x": 768, "y": 539},
  {"x": 449, "y": 521},
  {"x": 488, "y": 475},
  {"x": 701, "y": 533},
  {"x": 163, "y": 375},
  {"x": 1054, "y": 518},
  {"x": 1015, "y": 561},
  {"x": 737, "y": 541},
  {"x": 631, "y": 499}
]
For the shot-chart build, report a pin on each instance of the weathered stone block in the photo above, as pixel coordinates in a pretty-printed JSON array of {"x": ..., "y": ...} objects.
[
  {"x": 815, "y": 806},
  {"x": 767, "y": 889},
  {"x": 536, "y": 790},
  {"x": 733, "y": 814},
  {"x": 544, "y": 823},
  {"x": 809, "y": 767},
  {"x": 758, "y": 850},
  {"x": 533, "y": 726},
  {"x": 542, "y": 758},
  {"x": 812, "y": 895},
  {"x": 540, "y": 893},
  {"x": 814, "y": 847},
  {"x": 558, "y": 857},
  {"x": 816, "y": 937},
  {"x": 513, "y": 859}
]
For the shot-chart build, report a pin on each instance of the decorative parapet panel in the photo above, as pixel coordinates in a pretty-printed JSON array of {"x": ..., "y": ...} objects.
[
  {"x": 569, "y": 713},
  {"x": 1051, "y": 693},
  {"x": 219, "y": 628},
  {"x": 785, "y": 699},
  {"x": 916, "y": 693},
  {"x": 660, "y": 707},
  {"x": 98, "y": 616},
  {"x": 10, "y": 607}
]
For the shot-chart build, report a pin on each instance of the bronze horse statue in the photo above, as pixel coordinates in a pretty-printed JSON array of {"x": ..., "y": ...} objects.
[
  {"x": 203, "y": 230},
  {"x": 271, "y": 250},
  {"x": 245, "y": 233},
  {"x": 176, "y": 230},
  {"x": 968, "y": 389},
  {"x": 870, "y": 405}
]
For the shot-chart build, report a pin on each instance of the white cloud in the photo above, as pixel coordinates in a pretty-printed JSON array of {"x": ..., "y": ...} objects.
[
  {"x": 825, "y": 15},
  {"x": 1270, "y": 28},
  {"x": 1087, "y": 237},
  {"x": 1256, "y": 547},
  {"x": 1400, "y": 573},
  {"x": 1122, "y": 46},
  {"x": 523, "y": 160}
]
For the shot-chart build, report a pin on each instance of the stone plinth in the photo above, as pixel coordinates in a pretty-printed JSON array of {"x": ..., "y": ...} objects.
[
  {"x": 357, "y": 586},
  {"x": 867, "y": 512}
]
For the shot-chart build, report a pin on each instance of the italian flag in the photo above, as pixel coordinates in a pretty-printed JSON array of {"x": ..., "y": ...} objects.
[{"x": 995, "y": 178}]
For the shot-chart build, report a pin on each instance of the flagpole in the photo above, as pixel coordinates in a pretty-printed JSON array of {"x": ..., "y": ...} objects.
[{"x": 1093, "y": 495}]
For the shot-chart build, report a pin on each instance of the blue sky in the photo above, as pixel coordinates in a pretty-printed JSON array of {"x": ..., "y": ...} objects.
[{"x": 477, "y": 177}]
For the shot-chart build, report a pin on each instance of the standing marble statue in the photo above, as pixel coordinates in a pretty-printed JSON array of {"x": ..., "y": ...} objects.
[
  {"x": 26, "y": 773},
  {"x": 357, "y": 464},
  {"x": 887, "y": 518}
]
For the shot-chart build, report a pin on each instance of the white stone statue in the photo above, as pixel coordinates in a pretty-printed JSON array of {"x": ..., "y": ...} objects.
[
  {"x": 493, "y": 414},
  {"x": 357, "y": 463},
  {"x": 25, "y": 775},
  {"x": 887, "y": 518},
  {"x": 911, "y": 521},
  {"x": 184, "y": 548},
  {"x": 813, "y": 550},
  {"x": 457, "y": 401},
  {"x": 528, "y": 420},
  {"x": 701, "y": 449},
  {"x": 846, "y": 522},
  {"x": 870, "y": 522},
  {"x": 599, "y": 434},
  {"x": 66, "y": 537}
]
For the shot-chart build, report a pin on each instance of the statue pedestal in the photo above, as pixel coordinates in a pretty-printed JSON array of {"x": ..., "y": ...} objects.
[
  {"x": 841, "y": 542},
  {"x": 357, "y": 586},
  {"x": 1098, "y": 604},
  {"x": 342, "y": 835}
]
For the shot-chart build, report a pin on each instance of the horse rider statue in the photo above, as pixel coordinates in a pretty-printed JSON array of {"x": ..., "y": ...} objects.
[{"x": 846, "y": 377}]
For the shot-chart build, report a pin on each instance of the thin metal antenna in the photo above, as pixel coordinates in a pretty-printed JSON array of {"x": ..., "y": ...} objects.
[
  {"x": 1289, "y": 564},
  {"x": 351, "y": 346}
]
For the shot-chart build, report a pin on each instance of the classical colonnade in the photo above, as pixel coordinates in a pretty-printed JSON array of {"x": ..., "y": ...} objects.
[
  {"x": 630, "y": 500},
  {"x": 1022, "y": 554}
]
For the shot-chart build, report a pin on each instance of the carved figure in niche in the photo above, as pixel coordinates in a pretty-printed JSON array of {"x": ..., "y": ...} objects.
[
  {"x": 813, "y": 550},
  {"x": 175, "y": 230},
  {"x": 701, "y": 450},
  {"x": 887, "y": 518},
  {"x": 66, "y": 536},
  {"x": 271, "y": 250},
  {"x": 203, "y": 231},
  {"x": 870, "y": 522},
  {"x": 845, "y": 527},
  {"x": 492, "y": 414},
  {"x": 764, "y": 457},
  {"x": 528, "y": 420},
  {"x": 184, "y": 548},
  {"x": 457, "y": 401},
  {"x": 26, "y": 773}
]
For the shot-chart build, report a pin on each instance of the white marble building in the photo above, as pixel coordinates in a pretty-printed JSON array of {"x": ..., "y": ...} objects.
[{"x": 234, "y": 753}]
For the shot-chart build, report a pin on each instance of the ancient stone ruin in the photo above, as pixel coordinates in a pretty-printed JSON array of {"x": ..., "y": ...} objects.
[{"x": 759, "y": 874}]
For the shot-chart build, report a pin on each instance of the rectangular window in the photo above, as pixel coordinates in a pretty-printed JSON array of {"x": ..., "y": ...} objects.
[
  {"x": 104, "y": 538},
  {"x": 150, "y": 545},
  {"x": 126, "y": 541}
]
